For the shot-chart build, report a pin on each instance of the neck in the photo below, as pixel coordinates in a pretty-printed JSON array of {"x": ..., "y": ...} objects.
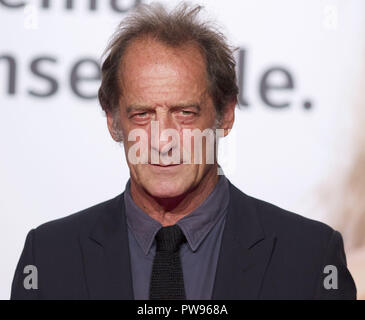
[{"x": 168, "y": 211}]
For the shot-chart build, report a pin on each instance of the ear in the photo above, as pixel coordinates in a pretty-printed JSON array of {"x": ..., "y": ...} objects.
[
  {"x": 227, "y": 120},
  {"x": 112, "y": 122}
]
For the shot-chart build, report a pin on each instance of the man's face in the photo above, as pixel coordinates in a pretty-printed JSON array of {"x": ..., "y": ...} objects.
[{"x": 169, "y": 86}]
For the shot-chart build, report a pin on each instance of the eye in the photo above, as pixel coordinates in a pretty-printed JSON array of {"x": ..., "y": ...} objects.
[
  {"x": 141, "y": 114},
  {"x": 141, "y": 117},
  {"x": 186, "y": 116},
  {"x": 186, "y": 113}
]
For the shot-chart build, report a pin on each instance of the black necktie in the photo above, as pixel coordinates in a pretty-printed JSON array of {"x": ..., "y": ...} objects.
[{"x": 167, "y": 281}]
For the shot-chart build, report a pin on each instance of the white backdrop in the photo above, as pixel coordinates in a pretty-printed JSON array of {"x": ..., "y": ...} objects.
[{"x": 57, "y": 156}]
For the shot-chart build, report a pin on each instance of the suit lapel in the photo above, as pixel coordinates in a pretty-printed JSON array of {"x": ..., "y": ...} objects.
[
  {"x": 245, "y": 251},
  {"x": 244, "y": 254},
  {"x": 106, "y": 255}
]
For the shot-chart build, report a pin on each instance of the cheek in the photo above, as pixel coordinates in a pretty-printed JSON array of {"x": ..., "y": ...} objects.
[
  {"x": 130, "y": 130},
  {"x": 212, "y": 118},
  {"x": 137, "y": 146}
]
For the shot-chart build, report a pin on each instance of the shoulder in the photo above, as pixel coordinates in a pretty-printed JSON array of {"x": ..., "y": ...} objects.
[
  {"x": 285, "y": 224},
  {"x": 77, "y": 223},
  {"x": 302, "y": 249}
]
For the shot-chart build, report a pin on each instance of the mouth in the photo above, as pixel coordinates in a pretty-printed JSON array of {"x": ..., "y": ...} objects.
[{"x": 165, "y": 165}]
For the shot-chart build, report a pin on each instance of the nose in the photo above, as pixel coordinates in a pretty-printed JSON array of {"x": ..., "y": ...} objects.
[{"x": 164, "y": 134}]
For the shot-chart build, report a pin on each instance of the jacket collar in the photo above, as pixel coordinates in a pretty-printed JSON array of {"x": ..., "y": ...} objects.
[
  {"x": 106, "y": 255},
  {"x": 244, "y": 254},
  {"x": 245, "y": 251}
]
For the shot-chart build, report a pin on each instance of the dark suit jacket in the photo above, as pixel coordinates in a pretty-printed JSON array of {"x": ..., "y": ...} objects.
[{"x": 266, "y": 253}]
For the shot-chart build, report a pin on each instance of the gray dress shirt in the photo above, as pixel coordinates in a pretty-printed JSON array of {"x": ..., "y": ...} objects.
[{"x": 203, "y": 229}]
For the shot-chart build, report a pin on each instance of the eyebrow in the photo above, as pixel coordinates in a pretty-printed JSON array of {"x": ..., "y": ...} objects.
[{"x": 135, "y": 107}]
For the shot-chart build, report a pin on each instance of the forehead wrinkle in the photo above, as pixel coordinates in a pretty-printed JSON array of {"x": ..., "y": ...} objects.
[
  {"x": 183, "y": 55},
  {"x": 135, "y": 107},
  {"x": 182, "y": 103},
  {"x": 161, "y": 94}
]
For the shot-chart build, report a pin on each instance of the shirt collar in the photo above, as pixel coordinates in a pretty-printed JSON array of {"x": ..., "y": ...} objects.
[{"x": 195, "y": 226}]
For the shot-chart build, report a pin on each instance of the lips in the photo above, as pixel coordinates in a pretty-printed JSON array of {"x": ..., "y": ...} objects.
[{"x": 165, "y": 165}]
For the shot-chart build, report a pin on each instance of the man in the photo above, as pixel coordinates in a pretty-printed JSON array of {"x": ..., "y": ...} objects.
[{"x": 180, "y": 230}]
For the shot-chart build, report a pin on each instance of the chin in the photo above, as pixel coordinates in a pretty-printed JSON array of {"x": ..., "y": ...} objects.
[{"x": 165, "y": 189}]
